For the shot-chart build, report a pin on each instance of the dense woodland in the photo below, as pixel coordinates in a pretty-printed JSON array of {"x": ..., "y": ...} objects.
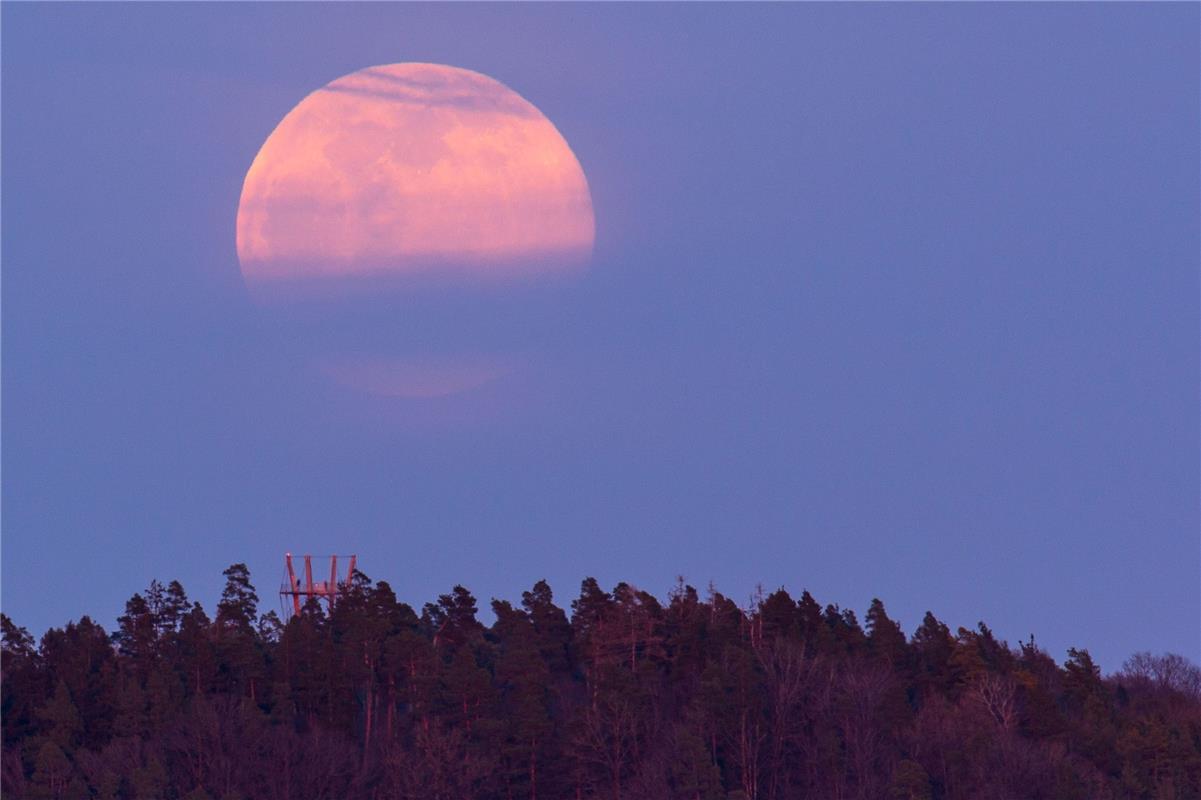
[{"x": 622, "y": 697}]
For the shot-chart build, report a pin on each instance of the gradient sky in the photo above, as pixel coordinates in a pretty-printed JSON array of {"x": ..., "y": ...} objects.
[{"x": 887, "y": 300}]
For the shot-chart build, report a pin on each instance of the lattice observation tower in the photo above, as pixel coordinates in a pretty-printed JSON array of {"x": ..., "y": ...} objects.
[{"x": 295, "y": 590}]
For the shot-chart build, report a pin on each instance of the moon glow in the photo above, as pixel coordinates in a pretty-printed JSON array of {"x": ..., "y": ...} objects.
[{"x": 412, "y": 170}]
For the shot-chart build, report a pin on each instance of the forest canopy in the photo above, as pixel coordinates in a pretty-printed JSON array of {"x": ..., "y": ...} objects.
[{"x": 618, "y": 695}]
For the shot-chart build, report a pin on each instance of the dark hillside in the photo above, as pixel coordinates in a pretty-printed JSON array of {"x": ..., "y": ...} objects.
[{"x": 621, "y": 696}]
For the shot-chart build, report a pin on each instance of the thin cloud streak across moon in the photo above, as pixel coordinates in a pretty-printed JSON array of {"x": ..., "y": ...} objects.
[{"x": 404, "y": 181}]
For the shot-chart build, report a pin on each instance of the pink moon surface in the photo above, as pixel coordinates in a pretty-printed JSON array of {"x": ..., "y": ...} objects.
[{"x": 412, "y": 171}]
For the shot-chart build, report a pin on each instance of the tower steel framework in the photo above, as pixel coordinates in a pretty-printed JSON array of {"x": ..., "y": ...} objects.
[{"x": 294, "y": 593}]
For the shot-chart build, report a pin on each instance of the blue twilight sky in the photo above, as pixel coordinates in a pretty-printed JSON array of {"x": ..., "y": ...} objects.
[{"x": 887, "y": 300}]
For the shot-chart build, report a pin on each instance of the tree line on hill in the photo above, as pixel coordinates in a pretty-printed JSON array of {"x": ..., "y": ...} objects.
[{"x": 623, "y": 698}]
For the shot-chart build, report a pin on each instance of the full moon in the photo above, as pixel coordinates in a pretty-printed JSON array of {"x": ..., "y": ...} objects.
[{"x": 412, "y": 171}]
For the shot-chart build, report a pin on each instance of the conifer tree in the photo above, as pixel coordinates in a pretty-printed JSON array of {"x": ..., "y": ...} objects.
[
  {"x": 522, "y": 677},
  {"x": 172, "y": 609},
  {"x": 54, "y": 776},
  {"x": 197, "y": 652},
  {"x": 61, "y": 720},
  {"x": 22, "y": 685},
  {"x": 933, "y": 648},
  {"x": 81, "y": 655},
  {"x": 137, "y": 635},
  {"x": 779, "y": 616},
  {"x": 885, "y": 640},
  {"x": 241, "y": 664},
  {"x": 238, "y": 608},
  {"x": 551, "y": 627}
]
